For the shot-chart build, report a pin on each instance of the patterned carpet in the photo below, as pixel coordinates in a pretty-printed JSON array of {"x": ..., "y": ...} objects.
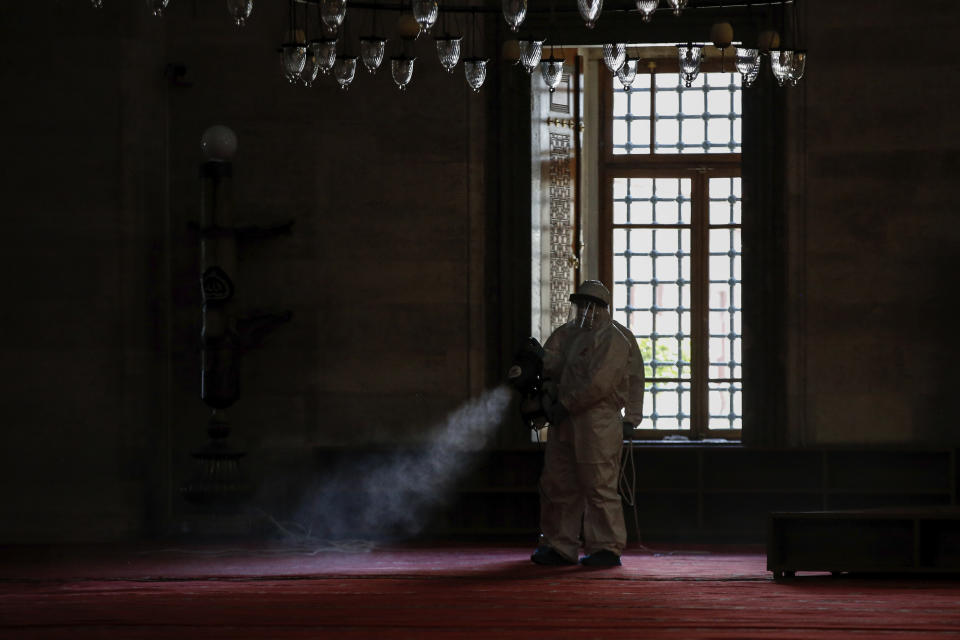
[{"x": 448, "y": 592}]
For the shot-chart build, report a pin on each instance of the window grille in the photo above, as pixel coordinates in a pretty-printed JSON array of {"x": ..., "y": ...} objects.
[
  {"x": 672, "y": 233},
  {"x": 703, "y": 118}
]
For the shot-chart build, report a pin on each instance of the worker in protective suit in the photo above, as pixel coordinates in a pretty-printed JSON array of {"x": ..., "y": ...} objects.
[{"x": 586, "y": 372}]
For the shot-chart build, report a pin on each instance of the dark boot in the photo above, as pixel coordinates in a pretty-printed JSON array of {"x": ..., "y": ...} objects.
[
  {"x": 549, "y": 556},
  {"x": 602, "y": 558}
]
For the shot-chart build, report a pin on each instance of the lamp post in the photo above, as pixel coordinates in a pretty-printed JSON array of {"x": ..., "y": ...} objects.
[{"x": 218, "y": 481}]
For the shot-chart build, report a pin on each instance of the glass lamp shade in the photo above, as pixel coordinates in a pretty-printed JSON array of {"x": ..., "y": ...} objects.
[
  {"x": 97, "y": 4},
  {"x": 678, "y": 6},
  {"x": 293, "y": 57},
  {"x": 311, "y": 68},
  {"x": 448, "y": 50},
  {"x": 748, "y": 64},
  {"x": 752, "y": 77},
  {"x": 689, "y": 56},
  {"x": 797, "y": 66},
  {"x": 627, "y": 73},
  {"x": 425, "y": 13},
  {"x": 157, "y": 7},
  {"x": 530, "y": 52},
  {"x": 325, "y": 52},
  {"x": 401, "y": 68},
  {"x": 780, "y": 62},
  {"x": 614, "y": 56},
  {"x": 332, "y": 13},
  {"x": 475, "y": 69},
  {"x": 646, "y": 8},
  {"x": 552, "y": 71},
  {"x": 344, "y": 70},
  {"x": 590, "y": 11},
  {"x": 372, "y": 49},
  {"x": 240, "y": 10},
  {"x": 514, "y": 11}
]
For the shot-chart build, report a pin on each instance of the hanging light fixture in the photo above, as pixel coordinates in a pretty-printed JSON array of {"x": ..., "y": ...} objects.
[
  {"x": 798, "y": 57},
  {"x": 311, "y": 67},
  {"x": 798, "y": 65},
  {"x": 97, "y": 4},
  {"x": 332, "y": 13},
  {"x": 475, "y": 67},
  {"x": 646, "y": 8},
  {"x": 780, "y": 62},
  {"x": 448, "y": 46},
  {"x": 590, "y": 11},
  {"x": 514, "y": 11},
  {"x": 425, "y": 13},
  {"x": 314, "y": 53},
  {"x": 401, "y": 68},
  {"x": 689, "y": 56},
  {"x": 721, "y": 33},
  {"x": 372, "y": 49},
  {"x": 787, "y": 63},
  {"x": 326, "y": 52},
  {"x": 748, "y": 64},
  {"x": 614, "y": 56},
  {"x": 627, "y": 73},
  {"x": 373, "y": 46},
  {"x": 293, "y": 52},
  {"x": 678, "y": 6},
  {"x": 344, "y": 70},
  {"x": 293, "y": 59},
  {"x": 240, "y": 10},
  {"x": 157, "y": 7},
  {"x": 552, "y": 71},
  {"x": 448, "y": 50},
  {"x": 530, "y": 52}
]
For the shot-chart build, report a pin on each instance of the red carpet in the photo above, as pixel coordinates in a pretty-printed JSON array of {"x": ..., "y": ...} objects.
[{"x": 449, "y": 592}]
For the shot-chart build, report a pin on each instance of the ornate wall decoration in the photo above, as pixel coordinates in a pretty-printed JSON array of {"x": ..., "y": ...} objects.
[
  {"x": 561, "y": 205},
  {"x": 561, "y": 99}
]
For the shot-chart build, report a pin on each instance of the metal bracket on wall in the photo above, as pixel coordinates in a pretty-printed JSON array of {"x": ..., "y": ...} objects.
[{"x": 561, "y": 122}]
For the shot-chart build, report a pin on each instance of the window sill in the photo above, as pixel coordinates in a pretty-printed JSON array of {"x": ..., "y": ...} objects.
[{"x": 711, "y": 442}]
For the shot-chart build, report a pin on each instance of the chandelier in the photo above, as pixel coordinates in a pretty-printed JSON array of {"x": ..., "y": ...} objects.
[{"x": 303, "y": 60}]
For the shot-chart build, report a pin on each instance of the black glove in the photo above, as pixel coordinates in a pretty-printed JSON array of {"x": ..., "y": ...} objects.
[
  {"x": 628, "y": 428},
  {"x": 552, "y": 407}
]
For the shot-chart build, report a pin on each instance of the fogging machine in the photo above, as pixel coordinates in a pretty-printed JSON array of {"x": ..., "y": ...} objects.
[{"x": 526, "y": 376}]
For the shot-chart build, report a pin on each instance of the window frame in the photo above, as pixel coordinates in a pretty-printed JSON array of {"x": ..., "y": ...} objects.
[{"x": 699, "y": 168}]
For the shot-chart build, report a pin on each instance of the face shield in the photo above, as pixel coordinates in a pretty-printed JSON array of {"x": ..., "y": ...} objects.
[{"x": 583, "y": 313}]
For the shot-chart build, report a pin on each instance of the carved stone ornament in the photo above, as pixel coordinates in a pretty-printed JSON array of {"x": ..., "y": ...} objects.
[
  {"x": 561, "y": 204},
  {"x": 216, "y": 284}
]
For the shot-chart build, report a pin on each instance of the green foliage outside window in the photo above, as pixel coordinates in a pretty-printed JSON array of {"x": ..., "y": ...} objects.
[{"x": 668, "y": 361}]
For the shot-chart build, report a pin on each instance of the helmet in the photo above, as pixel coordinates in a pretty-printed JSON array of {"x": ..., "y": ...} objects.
[{"x": 594, "y": 291}]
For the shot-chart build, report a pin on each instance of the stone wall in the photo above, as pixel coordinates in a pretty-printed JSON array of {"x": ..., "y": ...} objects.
[
  {"x": 877, "y": 229},
  {"x": 383, "y": 270}
]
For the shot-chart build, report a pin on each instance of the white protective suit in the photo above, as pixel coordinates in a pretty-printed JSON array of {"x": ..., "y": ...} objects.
[
  {"x": 582, "y": 460},
  {"x": 634, "y": 409}
]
